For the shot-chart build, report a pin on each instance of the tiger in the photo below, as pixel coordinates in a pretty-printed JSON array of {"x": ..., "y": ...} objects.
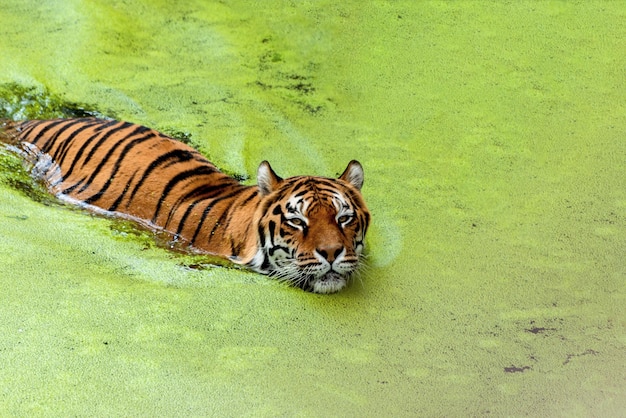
[{"x": 306, "y": 231}]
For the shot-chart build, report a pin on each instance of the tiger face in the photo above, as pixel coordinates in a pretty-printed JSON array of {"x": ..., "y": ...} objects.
[
  {"x": 307, "y": 231},
  {"x": 311, "y": 230}
]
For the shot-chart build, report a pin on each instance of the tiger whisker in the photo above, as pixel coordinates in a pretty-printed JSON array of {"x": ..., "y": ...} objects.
[{"x": 290, "y": 229}]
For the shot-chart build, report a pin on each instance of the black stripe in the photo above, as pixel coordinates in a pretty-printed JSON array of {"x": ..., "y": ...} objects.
[
  {"x": 351, "y": 195},
  {"x": 266, "y": 263},
  {"x": 25, "y": 129},
  {"x": 205, "y": 213},
  {"x": 235, "y": 249},
  {"x": 224, "y": 219},
  {"x": 116, "y": 167},
  {"x": 279, "y": 247},
  {"x": 86, "y": 181},
  {"x": 272, "y": 229},
  {"x": 331, "y": 184},
  {"x": 180, "y": 177},
  {"x": 104, "y": 123},
  {"x": 53, "y": 139},
  {"x": 290, "y": 208},
  {"x": 97, "y": 171},
  {"x": 178, "y": 155},
  {"x": 302, "y": 193},
  {"x": 224, "y": 213},
  {"x": 249, "y": 198},
  {"x": 74, "y": 186},
  {"x": 84, "y": 146},
  {"x": 138, "y": 130},
  {"x": 261, "y": 233},
  {"x": 119, "y": 199},
  {"x": 200, "y": 193},
  {"x": 183, "y": 220},
  {"x": 49, "y": 125},
  {"x": 255, "y": 192},
  {"x": 61, "y": 153},
  {"x": 219, "y": 222}
]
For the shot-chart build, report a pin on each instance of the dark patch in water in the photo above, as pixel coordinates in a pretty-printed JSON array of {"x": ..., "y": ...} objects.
[
  {"x": 584, "y": 353},
  {"x": 515, "y": 369},
  {"x": 539, "y": 330},
  {"x": 295, "y": 85},
  {"x": 19, "y": 102}
]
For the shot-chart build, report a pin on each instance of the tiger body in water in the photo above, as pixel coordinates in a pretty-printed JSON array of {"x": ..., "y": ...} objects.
[{"x": 307, "y": 231}]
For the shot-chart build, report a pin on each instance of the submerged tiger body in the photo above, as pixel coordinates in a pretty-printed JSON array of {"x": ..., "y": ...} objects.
[{"x": 308, "y": 231}]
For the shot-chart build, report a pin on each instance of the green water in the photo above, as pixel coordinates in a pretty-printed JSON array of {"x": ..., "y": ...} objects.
[{"x": 493, "y": 140}]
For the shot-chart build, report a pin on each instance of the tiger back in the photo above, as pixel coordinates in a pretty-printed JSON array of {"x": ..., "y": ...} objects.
[{"x": 308, "y": 231}]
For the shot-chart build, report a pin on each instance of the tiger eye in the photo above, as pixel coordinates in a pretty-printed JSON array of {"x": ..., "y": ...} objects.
[
  {"x": 135, "y": 172},
  {"x": 296, "y": 222},
  {"x": 344, "y": 219}
]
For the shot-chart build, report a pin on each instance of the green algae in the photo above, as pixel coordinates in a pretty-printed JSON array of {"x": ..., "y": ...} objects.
[
  {"x": 20, "y": 102},
  {"x": 492, "y": 139},
  {"x": 14, "y": 174}
]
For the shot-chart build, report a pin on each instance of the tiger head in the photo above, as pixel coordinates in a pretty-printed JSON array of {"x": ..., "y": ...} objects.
[{"x": 311, "y": 230}]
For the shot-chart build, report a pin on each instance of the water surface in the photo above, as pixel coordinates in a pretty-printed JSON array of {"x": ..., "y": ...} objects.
[{"x": 492, "y": 136}]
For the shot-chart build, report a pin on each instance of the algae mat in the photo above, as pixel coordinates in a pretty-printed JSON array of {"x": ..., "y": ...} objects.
[{"x": 493, "y": 139}]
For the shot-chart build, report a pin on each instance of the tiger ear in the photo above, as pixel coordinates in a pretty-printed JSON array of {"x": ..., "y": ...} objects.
[
  {"x": 267, "y": 179},
  {"x": 353, "y": 174}
]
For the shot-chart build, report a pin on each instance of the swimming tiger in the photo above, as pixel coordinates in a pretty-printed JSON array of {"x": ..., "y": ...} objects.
[{"x": 304, "y": 230}]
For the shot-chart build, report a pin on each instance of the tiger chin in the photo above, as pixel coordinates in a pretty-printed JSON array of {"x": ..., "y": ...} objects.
[{"x": 306, "y": 231}]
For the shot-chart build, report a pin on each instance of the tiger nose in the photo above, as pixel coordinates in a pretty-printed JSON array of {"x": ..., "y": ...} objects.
[{"x": 330, "y": 252}]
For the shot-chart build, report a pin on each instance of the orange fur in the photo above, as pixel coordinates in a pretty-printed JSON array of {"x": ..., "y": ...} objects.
[{"x": 285, "y": 228}]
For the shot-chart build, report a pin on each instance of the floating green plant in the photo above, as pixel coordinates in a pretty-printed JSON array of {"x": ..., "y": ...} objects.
[
  {"x": 20, "y": 102},
  {"x": 15, "y": 174}
]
